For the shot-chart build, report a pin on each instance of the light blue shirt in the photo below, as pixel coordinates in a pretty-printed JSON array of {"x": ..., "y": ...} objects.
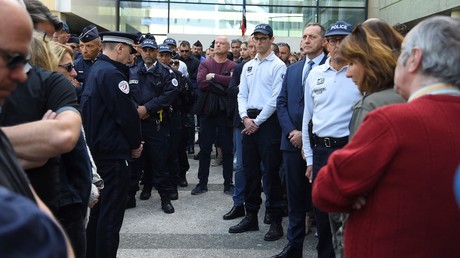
[
  {"x": 260, "y": 85},
  {"x": 329, "y": 98},
  {"x": 316, "y": 62}
]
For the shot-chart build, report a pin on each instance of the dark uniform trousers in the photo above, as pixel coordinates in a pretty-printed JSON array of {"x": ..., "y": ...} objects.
[
  {"x": 324, "y": 247},
  {"x": 184, "y": 166},
  {"x": 299, "y": 195},
  {"x": 106, "y": 216},
  {"x": 155, "y": 156},
  {"x": 209, "y": 135},
  {"x": 175, "y": 137},
  {"x": 263, "y": 149}
]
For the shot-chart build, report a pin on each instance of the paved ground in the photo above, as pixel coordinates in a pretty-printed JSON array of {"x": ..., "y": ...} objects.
[{"x": 196, "y": 229}]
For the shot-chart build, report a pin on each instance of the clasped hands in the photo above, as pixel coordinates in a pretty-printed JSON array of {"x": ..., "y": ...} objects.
[{"x": 250, "y": 126}]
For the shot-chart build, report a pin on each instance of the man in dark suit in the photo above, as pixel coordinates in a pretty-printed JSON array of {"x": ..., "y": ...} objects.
[{"x": 290, "y": 107}]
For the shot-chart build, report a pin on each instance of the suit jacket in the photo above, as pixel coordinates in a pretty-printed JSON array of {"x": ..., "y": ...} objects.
[{"x": 290, "y": 103}]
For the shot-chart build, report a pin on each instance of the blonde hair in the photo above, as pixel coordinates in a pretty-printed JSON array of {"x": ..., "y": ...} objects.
[
  {"x": 60, "y": 50},
  {"x": 41, "y": 53}
]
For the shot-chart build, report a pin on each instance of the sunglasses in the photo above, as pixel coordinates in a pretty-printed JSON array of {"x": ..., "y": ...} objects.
[
  {"x": 14, "y": 61},
  {"x": 184, "y": 51},
  {"x": 174, "y": 63},
  {"x": 68, "y": 67}
]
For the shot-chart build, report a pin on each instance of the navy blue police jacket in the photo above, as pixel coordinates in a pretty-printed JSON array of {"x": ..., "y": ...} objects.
[
  {"x": 109, "y": 112},
  {"x": 156, "y": 88},
  {"x": 82, "y": 68}
]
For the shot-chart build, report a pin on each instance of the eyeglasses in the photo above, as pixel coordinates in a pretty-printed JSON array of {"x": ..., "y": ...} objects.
[
  {"x": 261, "y": 39},
  {"x": 67, "y": 67},
  {"x": 13, "y": 61},
  {"x": 334, "y": 41},
  {"x": 173, "y": 62},
  {"x": 184, "y": 51}
]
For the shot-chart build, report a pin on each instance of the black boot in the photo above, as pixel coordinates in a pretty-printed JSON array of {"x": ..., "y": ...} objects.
[
  {"x": 167, "y": 206},
  {"x": 249, "y": 223},
  {"x": 275, "y": 232},
  {"x": 146, "y": 192},
  {"x": 289, "y": 251},
  {"x": 174, "y": 195},
  {"x": 235, "y": 212},
  {"x": 267, "y": 219}
]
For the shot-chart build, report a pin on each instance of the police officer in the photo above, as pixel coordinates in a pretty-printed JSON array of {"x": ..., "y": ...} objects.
[
  {"x": 113, "y": 134},
  {"x": 90, "y": 47},
  {"x": 154, "y": 89},
  {"x": 180, "y": 122}
]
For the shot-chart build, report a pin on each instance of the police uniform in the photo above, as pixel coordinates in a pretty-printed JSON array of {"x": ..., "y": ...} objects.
[
  {"x": 156, "y": 89},
  {"x": 260, "y": 84},
  {"x": 329, "y": 98},
  {"x": 82, "y": 66},
  {"x": 113, "y": 130},
  {"x": 180, "y": 125}
]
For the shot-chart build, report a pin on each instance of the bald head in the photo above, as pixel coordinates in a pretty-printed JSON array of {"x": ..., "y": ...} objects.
[{"x": 15, "y": 37}]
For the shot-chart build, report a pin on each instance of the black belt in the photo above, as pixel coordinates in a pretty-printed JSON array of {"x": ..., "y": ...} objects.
[
  {"x": 253, "y": 113},
  {"x": 329, "y": 141}
]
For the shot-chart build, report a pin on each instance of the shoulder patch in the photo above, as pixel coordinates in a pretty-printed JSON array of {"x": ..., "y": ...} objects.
[
  {"x": 124, "y": 87},
  {"x": 174, "y": 82}
]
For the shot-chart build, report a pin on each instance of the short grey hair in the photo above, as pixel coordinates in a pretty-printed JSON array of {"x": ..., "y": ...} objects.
[{"x": 438, "y": 37}]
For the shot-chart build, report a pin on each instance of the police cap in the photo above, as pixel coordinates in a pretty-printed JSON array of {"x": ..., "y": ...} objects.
[
  {"x": 264, "y": 29},
  {"x": 339, "y": 28},
  {"x": 89, "y": 33},
  {"x": 149, "y": 43},
  {"x": 73, "y": 40},
  {"x": 164, "y": 48},
  {"x": 170, "y": 41},
  {"x": 119, "y": 37}
]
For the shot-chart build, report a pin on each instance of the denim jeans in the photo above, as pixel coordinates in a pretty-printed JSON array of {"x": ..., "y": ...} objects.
[{"x": 240, "y": 181}]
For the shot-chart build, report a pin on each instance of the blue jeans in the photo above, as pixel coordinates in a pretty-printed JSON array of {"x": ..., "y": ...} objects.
[{"x": 240, "y": 181}]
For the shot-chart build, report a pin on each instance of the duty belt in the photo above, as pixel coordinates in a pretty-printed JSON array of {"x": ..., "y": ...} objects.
[{"x": 329, "y": 142}]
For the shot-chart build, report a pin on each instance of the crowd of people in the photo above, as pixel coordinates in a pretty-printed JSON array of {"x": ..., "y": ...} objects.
[{"x": 356, "y": 134}]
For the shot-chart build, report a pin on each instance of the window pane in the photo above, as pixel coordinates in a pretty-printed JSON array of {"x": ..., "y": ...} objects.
[
  {"x": 144, "y": 17},
  {"x": 343, "y": 3},
  {"x": 327, "y": 16}
]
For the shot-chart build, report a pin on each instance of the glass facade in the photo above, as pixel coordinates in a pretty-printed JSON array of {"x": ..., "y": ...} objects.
[{"x": 223, "y": 17}]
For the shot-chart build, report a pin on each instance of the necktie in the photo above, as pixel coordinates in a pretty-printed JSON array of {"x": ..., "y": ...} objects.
[{"x": 306, "y": 72}]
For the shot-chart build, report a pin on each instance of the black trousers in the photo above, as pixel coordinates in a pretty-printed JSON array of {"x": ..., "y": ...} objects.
[
  {"x": 324, "y": 247},
  {"x": 72, "y": 219},
  {"x": 174, "y": 141},
  {"x": 262, "y": 160},
  {"x": 155, "y": 157},
  {"x": 215, "y": 129},
  {"x": 106, "y": 217}
]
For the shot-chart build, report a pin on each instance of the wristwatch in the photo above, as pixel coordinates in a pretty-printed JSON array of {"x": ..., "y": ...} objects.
[{"x": 242, "y": 119}]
